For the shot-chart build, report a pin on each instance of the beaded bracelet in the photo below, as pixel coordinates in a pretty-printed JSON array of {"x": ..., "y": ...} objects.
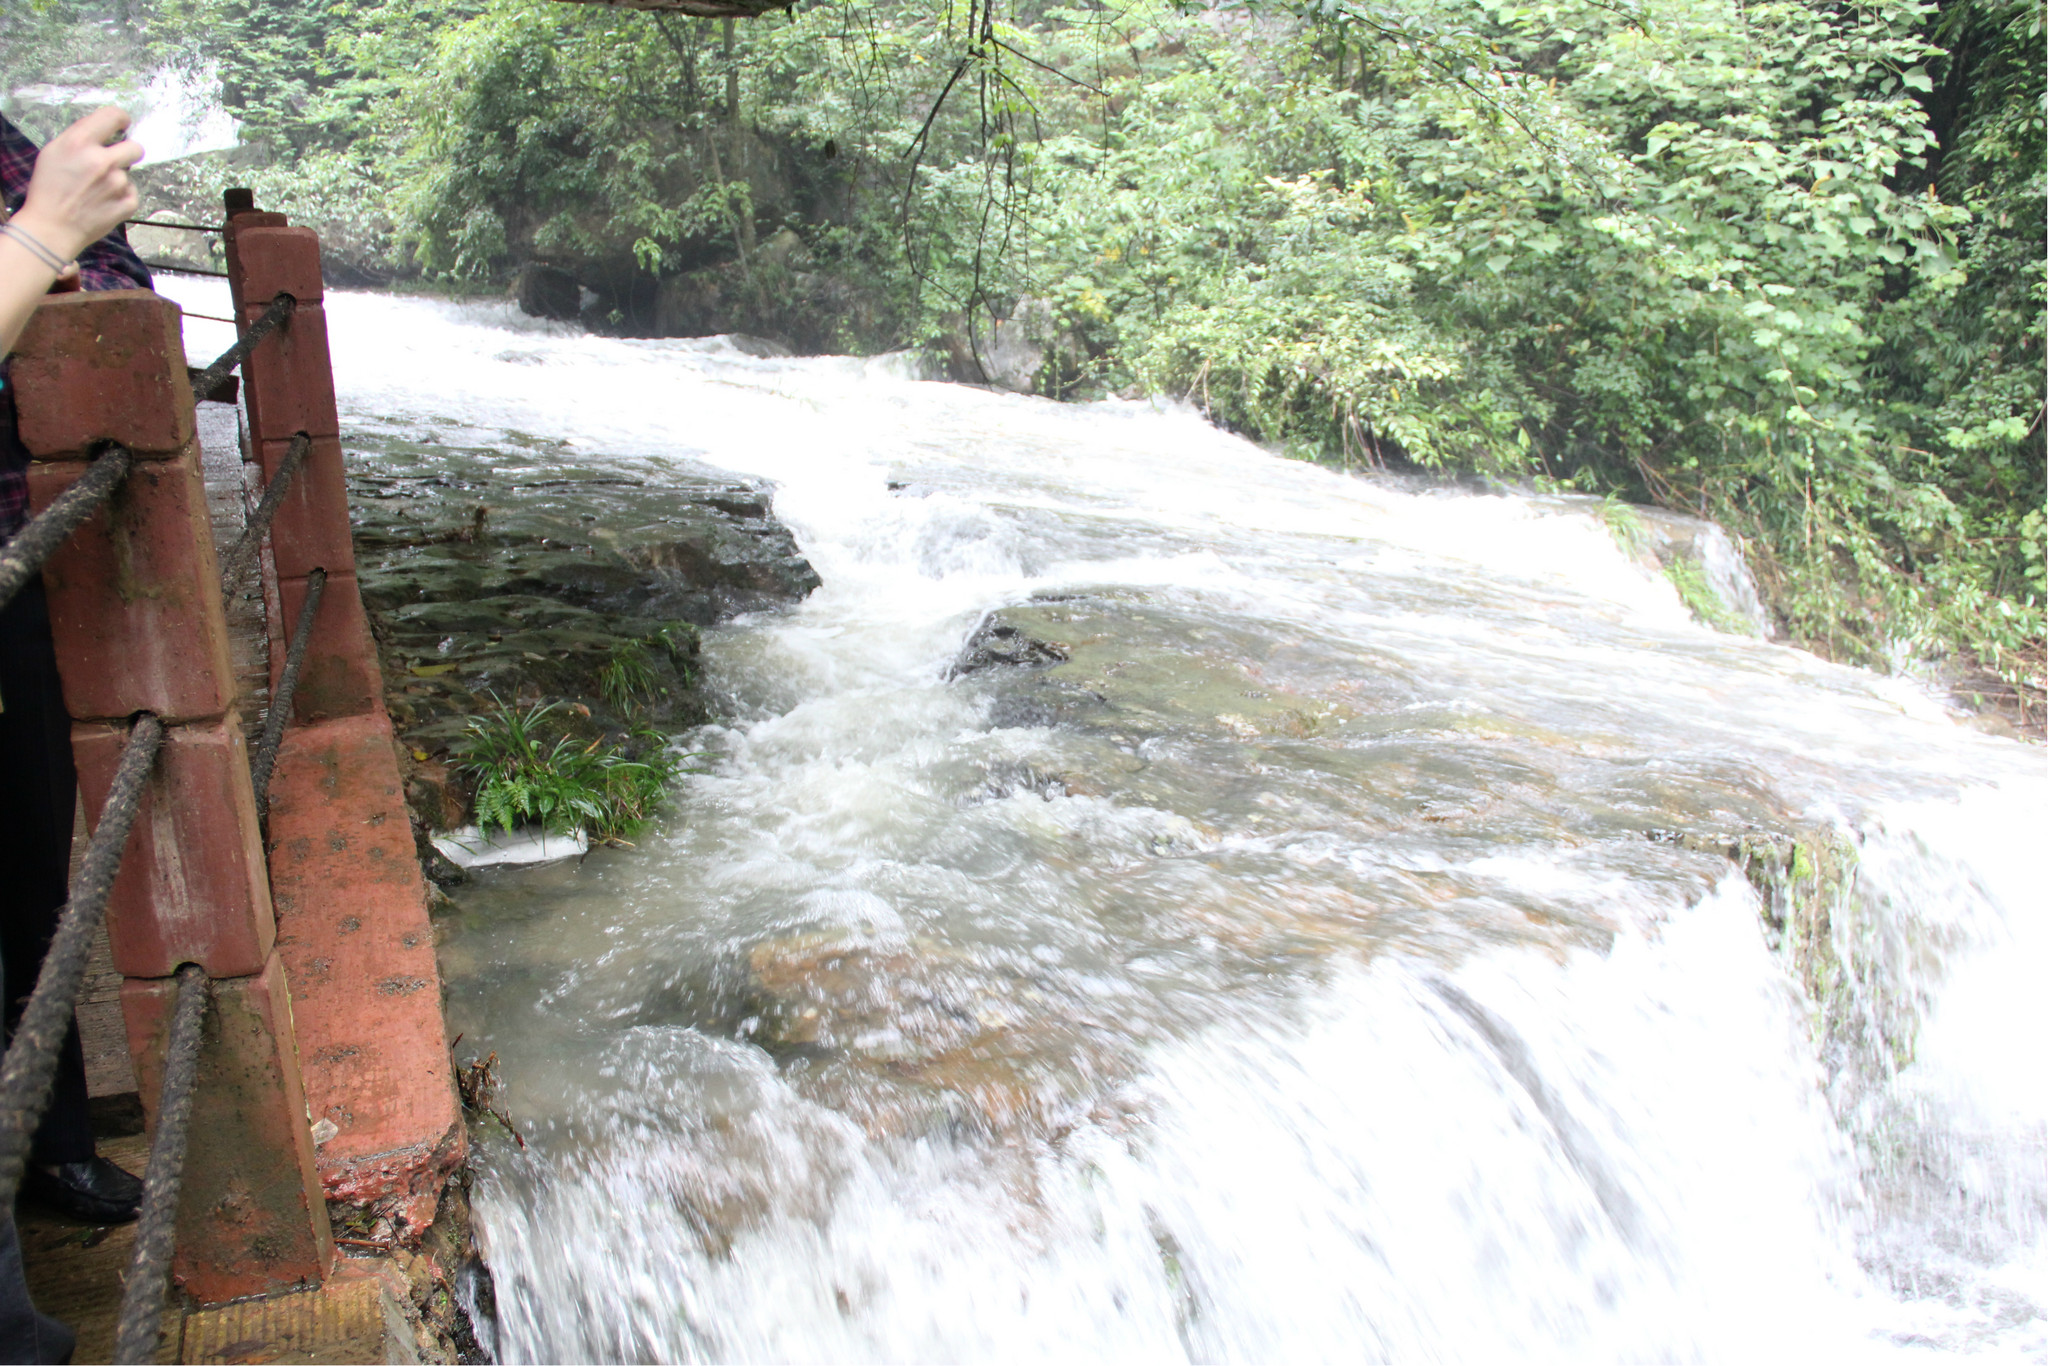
[{"x": 42, "y": 253}]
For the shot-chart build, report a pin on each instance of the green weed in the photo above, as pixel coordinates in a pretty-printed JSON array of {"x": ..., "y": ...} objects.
[
  {"x": 1625, "y": 526},
  {"x": 530, "y": 771},
  {"x": 628, "y": 679},
  {"x": 1700, "y": 598}
]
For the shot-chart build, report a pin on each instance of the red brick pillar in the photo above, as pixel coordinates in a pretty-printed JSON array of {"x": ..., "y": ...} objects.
[
  {"x": 136, "y": 612},
  {"x": 289, "y": 389},
  {"x": 351, "y": 903}
]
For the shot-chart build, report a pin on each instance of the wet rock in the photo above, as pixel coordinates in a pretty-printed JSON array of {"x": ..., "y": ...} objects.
[
  {"x": 997, "y": 644},
  {"x": 515, "y": 575},
  {"x": 548, "y": 292},
  {"x": 775, "y": 303},
  {"x": 1028, "y": 352},
  {"x": 1697, "y": 557},
  {"x": 451, "y": 526},
  {"x": 1708, "y": 569},
  {"x": 437, "y": 793},
  {"x": 926, "y": 1033},
  {"x": 440, "y": 872},
  {"x": 1109, "y": 662}
]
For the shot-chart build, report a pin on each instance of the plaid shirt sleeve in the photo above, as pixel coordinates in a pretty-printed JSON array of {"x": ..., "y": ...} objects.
[{"x": 109, "y": 263}]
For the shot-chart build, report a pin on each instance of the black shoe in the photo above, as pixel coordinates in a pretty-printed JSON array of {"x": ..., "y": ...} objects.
[{"x": 93, "y": 1192}]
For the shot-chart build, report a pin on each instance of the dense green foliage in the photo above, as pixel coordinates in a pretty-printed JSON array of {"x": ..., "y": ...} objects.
[
  {"x": 530, "y": 771},
  {"x": 1687, "y": 253},
  {"x": 1776, "y": 264}
]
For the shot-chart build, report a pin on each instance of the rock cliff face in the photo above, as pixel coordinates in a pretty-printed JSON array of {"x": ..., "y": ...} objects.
[{"x": 520, "y": 576}]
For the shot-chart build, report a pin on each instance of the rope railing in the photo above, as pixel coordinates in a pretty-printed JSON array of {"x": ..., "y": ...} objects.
[
  {"x": 174, "y": 268},
  {"x": 21, "y": 559},
  {"x": 209, "y": 379},
  {"x": 235, "y": 563},
  {"x": 162, "y": 223},
  {"x": 265, "y": 757},
  {"x": 31, "y": 1062},
  {"x": 142, "y": 1299},
  {"x": 28, "y": 1068}
]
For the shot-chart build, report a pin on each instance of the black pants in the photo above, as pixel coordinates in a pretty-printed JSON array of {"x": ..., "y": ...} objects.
[
  {"x": 25, "y": 1334},
  {"x": 38, "y": 788}
]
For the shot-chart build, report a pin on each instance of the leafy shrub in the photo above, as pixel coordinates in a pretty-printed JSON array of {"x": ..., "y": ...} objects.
[{"x": 529, "y": 770}]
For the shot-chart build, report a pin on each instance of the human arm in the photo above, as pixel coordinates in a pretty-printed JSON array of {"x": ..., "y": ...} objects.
[{"x": 79, "y": 191}]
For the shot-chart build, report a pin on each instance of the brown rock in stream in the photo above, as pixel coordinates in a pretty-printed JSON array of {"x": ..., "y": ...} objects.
[{"x": 928, "y": 1033}]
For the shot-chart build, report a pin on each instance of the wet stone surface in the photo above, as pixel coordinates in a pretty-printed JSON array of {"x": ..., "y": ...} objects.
[
  {"x": 1235, "y": 728},
  {"x": 517, "y": 575}
]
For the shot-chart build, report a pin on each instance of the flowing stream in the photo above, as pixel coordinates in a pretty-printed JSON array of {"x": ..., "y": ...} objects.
[{"x": 1337, "y": 956}]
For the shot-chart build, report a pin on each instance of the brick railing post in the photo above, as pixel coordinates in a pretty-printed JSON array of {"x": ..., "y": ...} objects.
[
  {"x": 289, "y": 389},
  {"x": 136, "y": 613},
  {"x": 344, "y": 874}
]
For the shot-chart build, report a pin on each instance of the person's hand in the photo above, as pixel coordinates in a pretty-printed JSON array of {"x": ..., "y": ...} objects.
[{"x": 80, "y": 190}]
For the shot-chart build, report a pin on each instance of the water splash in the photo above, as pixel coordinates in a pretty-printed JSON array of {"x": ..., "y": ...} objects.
[{"x": 1332, "y": 958}]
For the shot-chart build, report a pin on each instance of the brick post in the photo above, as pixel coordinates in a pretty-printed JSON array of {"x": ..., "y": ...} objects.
[
  {"x": 288, "y": 385},
  {"x": 352, "y": 923},
  {"x": 136, "y": 613}
]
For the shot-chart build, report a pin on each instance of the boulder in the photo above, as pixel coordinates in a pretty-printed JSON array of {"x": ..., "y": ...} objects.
[
  {"x": 536, "y": 581},
  {"x": 548, "y": 292},
  {"x": 939, "y": 1036},
  {"x": 997, "y": 644},
  {"x": 1028, "y": 352}
]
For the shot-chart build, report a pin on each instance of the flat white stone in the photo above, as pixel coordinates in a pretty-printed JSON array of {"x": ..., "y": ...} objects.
[{"x": 470, "y": 847}]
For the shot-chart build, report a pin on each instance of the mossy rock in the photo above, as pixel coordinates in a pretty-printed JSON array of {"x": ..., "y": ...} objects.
[{"x": 516, "y": 576}]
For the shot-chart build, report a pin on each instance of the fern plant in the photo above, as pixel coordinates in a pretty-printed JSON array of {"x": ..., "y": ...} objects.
[{"x": 530, "y": 771}]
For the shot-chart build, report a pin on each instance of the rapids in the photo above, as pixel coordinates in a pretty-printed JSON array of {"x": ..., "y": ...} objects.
[{"x": 1332, "y": 959}]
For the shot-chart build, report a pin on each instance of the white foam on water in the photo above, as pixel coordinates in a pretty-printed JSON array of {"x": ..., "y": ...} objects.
[
  {"x": 1474, "y": 1146},
  {"x": 1617, "y": 1158}
]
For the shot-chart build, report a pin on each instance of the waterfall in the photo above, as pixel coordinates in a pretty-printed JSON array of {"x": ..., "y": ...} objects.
[{"x": 1343, "y": 953}]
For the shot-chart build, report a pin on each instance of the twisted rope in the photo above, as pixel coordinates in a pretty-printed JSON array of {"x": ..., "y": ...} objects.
[
  {"x": 174, "y": 268},
  {"x": 142, "y": 1302},
  {"x": 265, "y": 757},
  {"x": 236, "y": 562},
  {"x": 209, "y": 379},
  {"x": 160, "y": 223},
  {"x": 31, "y": 1062},
  {"x": 21, "y": 559}
]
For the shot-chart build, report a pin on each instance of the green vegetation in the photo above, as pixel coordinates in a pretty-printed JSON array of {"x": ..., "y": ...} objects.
[
  {"x": 1852, "y": 955},
  {"x": 628, "y": 678},
  {"x": 531, "y": 770},
  {"x": 1700, "y": 598},
  {"x": 1776, "y": 264},
  {"x": 1625, "y": 526}
]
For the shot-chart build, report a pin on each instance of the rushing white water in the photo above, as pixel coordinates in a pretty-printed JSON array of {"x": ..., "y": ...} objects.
[
  {"x": 1331, "y": 961},
  {"x": 176, "y": 113},
  {"x": 179, "y": 114}
]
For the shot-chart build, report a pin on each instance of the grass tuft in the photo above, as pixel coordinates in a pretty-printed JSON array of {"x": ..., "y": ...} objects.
[{"x": 529, "y": 770}]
